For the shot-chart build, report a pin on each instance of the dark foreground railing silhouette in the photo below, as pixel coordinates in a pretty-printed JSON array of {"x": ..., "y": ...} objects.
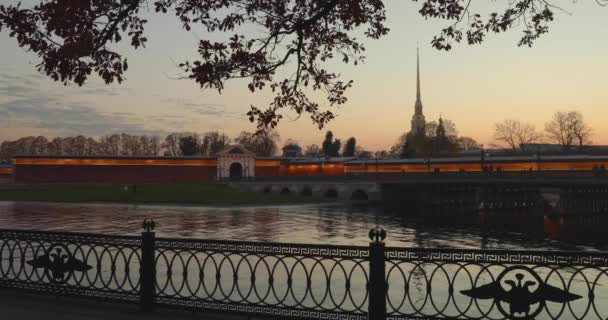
[{"x": 307, "y": 281}]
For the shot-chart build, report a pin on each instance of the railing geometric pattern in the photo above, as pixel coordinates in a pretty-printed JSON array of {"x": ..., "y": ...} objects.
[
  {"x": 286, "y": 280},
  {"x": 474, "y": 284},
  {"x": 75, "y": 264},
  {"x": 308, "y": 281}
]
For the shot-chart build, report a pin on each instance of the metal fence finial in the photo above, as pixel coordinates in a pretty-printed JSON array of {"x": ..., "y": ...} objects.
[
  {"x": 148, "y": 225},
  {"x": 377, "y": 234}
]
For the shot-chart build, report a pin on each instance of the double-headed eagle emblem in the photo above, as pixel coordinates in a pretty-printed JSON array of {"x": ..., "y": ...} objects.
[
  {"x": 58, "y": 263},
  {"x": 520, "y": 295}
]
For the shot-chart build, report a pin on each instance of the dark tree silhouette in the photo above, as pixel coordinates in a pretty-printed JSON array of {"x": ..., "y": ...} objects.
[
  {"x": 331, "y": 146},
  {"x": 313, "y": 150},
  {"x": 350, "y": 147},
  {"x": 292, "y": 149},
  {"x": 467, "y": 144},
  {"x": 189, "y": 146},
  {"x": 440, "y": 142},
  {"x": 74, "y": 39}
]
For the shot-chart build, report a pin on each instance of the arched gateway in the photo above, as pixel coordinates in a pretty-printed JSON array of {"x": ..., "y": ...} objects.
[
  {"x": 235, "y": 163},
  {"x": 236, "y": 171}
]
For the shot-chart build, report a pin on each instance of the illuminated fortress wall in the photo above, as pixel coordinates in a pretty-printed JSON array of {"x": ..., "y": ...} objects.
[
  {"x": 125, "y": 169},
  {"x": 138, "y": 170},
  {"x": 6, "y": 172},
  {"x": 113, "y": 170},
  {"x": 456, "y": 165}
]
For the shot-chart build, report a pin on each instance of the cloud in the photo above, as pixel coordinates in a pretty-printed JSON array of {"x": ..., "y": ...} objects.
[
  {"x": 28, "y": 103},
  {"x": 71, "y": 118},
  {"x": 25, "y": 105},
  {"x": 204, "y": 109},
  {"x": 17, "y": 85}
]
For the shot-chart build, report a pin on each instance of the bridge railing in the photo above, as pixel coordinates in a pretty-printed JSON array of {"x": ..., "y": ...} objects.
[{"x": 308, "y": 281}]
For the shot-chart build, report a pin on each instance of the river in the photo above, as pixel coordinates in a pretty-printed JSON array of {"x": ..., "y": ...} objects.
[{"x": 320, "y": 224}]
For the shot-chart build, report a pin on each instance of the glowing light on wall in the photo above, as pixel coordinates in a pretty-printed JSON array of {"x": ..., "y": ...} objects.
[
  {"x": 115, "y": 161},
  {"x": 6, "y": 170}
]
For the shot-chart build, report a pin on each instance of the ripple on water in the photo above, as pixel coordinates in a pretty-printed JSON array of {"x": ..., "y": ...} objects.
[{"x": 320, "y": 224}]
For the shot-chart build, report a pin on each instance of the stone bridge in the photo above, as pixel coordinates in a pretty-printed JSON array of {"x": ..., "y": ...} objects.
[
  {"x": 352, "y": 190},
  {"x": 452, "y": 192}
]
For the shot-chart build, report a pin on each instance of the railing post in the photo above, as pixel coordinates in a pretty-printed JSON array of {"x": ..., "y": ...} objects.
[
  {"x": 377, "y": 276},
  {"x": 148, "y": 266}
]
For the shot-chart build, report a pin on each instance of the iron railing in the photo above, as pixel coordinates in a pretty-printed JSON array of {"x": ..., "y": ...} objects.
[
  {"x": 307, "y": 281},
  {"x": 73, "y": 264}
]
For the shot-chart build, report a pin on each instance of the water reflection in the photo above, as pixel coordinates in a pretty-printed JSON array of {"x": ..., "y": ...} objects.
[{"x": 326, "y": 224}]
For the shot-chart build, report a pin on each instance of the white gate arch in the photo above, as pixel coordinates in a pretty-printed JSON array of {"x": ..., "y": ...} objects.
[{"x": 235, "y": 154}]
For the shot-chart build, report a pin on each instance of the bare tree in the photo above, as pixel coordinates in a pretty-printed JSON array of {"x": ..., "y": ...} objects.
[
  {"x": 171, "y": 145},
  {"x": 397, "y": 150},
  {"x": 362, "y": 153},
  {"x": 513, "y": 133},
  {"x": 214, "y": 142},
  {"x": 568, "y": 128},
  {"x": 56, "y": 146},
  {"x": 155, "y": 145},
  {"x": 467, "y": 144},
  {"x": 263, "y": 143},
  {"x": 91, "y": 147},
  {"x": 313, "y": 150},
  {"x": 110, "y": 145},
  {"x": 40, "y": 145}
]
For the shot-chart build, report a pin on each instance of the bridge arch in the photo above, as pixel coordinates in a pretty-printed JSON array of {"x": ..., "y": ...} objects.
[
  {"x": 306, "y": 191},
  {"x": 267, "y": 189},
  {"x": 359, "y": 195},
  {"x": 285, "y": 190},
  {"x": 331, "y": 193}
]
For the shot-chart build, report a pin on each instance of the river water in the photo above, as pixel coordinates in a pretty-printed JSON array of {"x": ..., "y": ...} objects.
[{"x": 319, "y": 224}]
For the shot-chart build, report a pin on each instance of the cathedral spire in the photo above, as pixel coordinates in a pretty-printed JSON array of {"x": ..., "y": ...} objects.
[
  {"x": 417, "y": 75},
  {"x": 418, "y": 121}
]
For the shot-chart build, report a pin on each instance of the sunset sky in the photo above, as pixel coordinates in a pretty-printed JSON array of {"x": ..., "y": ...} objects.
[{"x": 473, "y": 86}]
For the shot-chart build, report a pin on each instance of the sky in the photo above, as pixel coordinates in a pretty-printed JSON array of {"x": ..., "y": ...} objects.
[{"x": 474, "y": 86}]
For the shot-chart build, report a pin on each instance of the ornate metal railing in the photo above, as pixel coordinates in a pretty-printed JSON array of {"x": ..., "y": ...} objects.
[
  {"x": 308, "y": 281},
  {"x": 286, "y": 280},
  {"x": 474, "y": 284},
  {"x": 77, "y": 264}
]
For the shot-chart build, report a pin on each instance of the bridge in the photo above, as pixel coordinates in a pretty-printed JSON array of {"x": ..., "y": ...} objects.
[{"x": 569, "y": 191}]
